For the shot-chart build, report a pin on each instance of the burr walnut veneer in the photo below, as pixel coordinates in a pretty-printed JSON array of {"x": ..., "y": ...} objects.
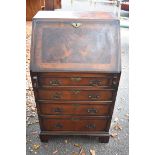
[{"x": 75, "y": 71}]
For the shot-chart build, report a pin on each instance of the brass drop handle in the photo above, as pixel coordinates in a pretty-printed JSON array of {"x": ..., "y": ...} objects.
[
  {"x": 94, "y": 97},
  {"x": 92, "y": 110},
  {"x": 58, "y": 110},
  {"x": 91, "y": 126},
  {"x": 58, "y": 126},
  {"x": 76, "y": 25},
  {"x": 76, "y": 79},
  {"x": 54, "y": 83}
]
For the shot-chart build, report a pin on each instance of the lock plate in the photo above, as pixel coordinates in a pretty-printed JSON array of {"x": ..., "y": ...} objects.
[{"x": 76, "y": 25}]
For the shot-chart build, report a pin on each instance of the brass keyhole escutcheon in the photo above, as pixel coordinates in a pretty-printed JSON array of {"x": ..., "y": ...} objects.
[
  {"x": 95, "y": 83},
  {"x": 91, "y": 126},
  {"x": 76, "y": 79},
  {"x": 58, "y": 125},
  {"x": 93, "y": 96},
  {"x": 54, "y": 83},
  {"x": 74, "y": 91},
  {"x": 92, "y": 111},
  {"x": 76, "y": 25}
]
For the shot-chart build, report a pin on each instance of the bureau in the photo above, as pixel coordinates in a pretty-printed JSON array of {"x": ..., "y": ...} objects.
[{"x": 75, "y": 70}]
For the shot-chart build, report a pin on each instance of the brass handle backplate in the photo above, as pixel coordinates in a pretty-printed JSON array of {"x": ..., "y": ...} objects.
[{"x": 76, "y": 25}]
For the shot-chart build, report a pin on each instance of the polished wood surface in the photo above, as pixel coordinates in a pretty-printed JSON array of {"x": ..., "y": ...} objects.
[
  {"x": 32, "y": 7},
  {"x": 93, "y": 109},
  {"x": 75, "y": 72},
  {"x": 82, "y": 15},
  {"x": 75, "y": 94},
  {"x": 77, "y": 80},
  {"x": 74, "y": 124},
  {"x": 49, "y": 4},
  {"x": 57, "y": 105},
  {"x": 74, "y": 81},
  {"x": 95, "y": 50},
  {"x": 52, "y": 4}
]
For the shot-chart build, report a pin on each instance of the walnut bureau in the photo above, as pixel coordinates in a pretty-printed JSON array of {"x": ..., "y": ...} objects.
[{"x": 75, "y": 71}]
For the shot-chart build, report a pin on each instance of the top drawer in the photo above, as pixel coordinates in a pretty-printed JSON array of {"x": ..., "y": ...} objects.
[{"x": 75, "y": 79}]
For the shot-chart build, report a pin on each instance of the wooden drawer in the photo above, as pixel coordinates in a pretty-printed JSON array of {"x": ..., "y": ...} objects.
[
  {"x": 74, "y": 109},
  {"x": 74, "y": 124},
  {"x": 74, "y": 94},
  {"x": 105, "y": 81}
]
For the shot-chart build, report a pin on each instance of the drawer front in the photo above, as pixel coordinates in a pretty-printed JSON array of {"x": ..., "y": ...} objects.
[
  {"x": 74, "y": 124},
  {"x": 74, "y": 109},
  {"x": 75, "y": 81},
  {"x": 77, "y": 95}
]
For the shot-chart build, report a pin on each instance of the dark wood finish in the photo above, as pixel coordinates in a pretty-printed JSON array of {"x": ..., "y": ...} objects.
[
  {"x": 73, "y": 54},
  {"x": 104, "y": 139},
  {"x": 32, "y": 7},
  {"x": 74, "y": 109},
  {"x": 49, "y": 4},
  {"x": 52, "y": 4},
  {"x": 74, "y": 124},
  {"x": 44, "y": 138},
  {"x": 74, "y": 81},
  {"x": 75, "y": 94},
  {"x": 125, "y": 6},
  {"x": 57, "y": 4},
  {"x": 76, "y": 74}
]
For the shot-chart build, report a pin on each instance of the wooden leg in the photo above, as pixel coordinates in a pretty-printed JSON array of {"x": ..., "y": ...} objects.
[
  {"x": 44, "y": 138},
  {"x": 104, "y": 139}
]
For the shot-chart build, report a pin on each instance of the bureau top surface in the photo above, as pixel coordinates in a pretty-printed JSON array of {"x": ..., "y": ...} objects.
[
  {"x": 73, "y": 15},
  {"x": 75, "y": 41}
]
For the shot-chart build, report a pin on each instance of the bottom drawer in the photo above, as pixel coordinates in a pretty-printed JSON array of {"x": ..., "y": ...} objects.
[{"x": 74, "y": 124}]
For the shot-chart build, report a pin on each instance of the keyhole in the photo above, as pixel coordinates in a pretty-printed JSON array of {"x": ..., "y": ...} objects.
[{"x": 76, "y": 25}]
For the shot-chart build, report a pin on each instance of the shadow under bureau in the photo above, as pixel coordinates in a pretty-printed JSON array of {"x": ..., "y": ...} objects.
[{"x": 75, "y": 71}]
